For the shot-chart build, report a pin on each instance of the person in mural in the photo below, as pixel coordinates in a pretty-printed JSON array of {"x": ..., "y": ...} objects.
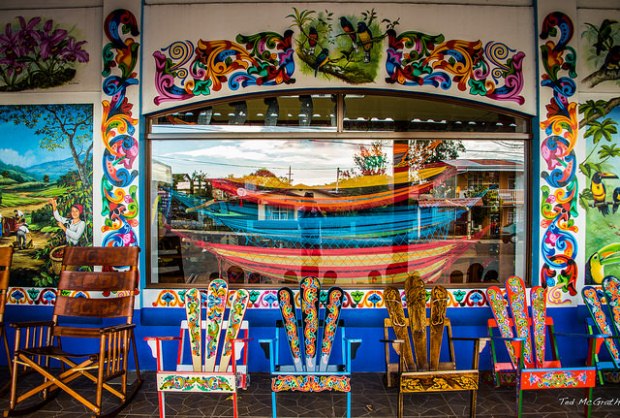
[
  {"x": 21, "y": 230},
  {"x": 74, "y": 226}
]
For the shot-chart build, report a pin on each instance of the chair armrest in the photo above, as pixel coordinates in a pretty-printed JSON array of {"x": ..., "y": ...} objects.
[
  {"x": 156, "y": 346},
  {"x": 354, "y": 345},
  {"x": 266, "y": 346},
  {"x": 164, "y": 338},
  {"x": 116, "y": 328},
  {"x": 31, "y": 324}
]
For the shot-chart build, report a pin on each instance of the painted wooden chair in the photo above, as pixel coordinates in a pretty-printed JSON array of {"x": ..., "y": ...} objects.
[
  {"x": 604, "y": 308},
  {"x": 426, "y": 373},
  {"x": 103, "y": 323},
  {"x": 210, "y": 356},
  {"x": 526, "y": 339},
  {"x": 313, "y": 368},
  {"x": 6, "y": 256}
]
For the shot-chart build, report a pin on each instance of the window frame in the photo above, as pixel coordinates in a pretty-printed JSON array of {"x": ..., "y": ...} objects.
[{"x": 341, "y": 134}]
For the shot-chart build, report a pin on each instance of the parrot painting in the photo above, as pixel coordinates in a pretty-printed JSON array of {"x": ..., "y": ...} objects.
[
  {"x": 364, "y": 37},
  {"x": 321, "y": 60},
  {"x": 313, "y": 39},
  {"x": 348, "y": 29},
  {"x": 599, "y": 192}
]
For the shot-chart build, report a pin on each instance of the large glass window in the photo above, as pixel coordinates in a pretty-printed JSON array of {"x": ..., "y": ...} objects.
[{"x": 363, "y": 203}]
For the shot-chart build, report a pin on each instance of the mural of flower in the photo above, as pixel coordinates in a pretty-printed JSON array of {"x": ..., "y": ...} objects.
[{"x": 37, "y": 55}]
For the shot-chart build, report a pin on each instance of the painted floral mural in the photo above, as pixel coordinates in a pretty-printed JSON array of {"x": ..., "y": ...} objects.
[
  {"x": 38, "y": 54},
  {"x": 350, "y": 48}
]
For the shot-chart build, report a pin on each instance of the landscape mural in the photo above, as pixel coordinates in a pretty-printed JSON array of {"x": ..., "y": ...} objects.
[{"x": 45, "y": 187}]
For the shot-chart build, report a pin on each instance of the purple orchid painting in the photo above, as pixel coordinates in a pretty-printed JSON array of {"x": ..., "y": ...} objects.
[{"x": 37, "y": 54}]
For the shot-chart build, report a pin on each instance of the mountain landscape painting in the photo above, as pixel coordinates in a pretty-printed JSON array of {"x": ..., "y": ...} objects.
[{"x": 45, "y": 186}]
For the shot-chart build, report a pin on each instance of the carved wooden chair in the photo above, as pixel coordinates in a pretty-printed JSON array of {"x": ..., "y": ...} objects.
[
  {"x": 210, "y": 356},
  {"x": 310, "y": 367},
  {"x": 604, "y": 308},
  {"x": 426, "y": 373},
  {"x": 6, "y": 256},
  {"x": 94, "y": 304},
  {"x": 526, "y": 339}
]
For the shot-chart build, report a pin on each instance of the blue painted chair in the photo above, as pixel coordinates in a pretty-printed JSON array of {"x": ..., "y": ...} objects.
[{"x": 313, "y": 368}]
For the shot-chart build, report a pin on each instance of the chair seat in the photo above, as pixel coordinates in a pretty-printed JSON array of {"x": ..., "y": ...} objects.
[
  {"x": 558, "y": 378},
  {"x": 311, "y": 382},
  {"x": 196, "y": 382},
  {"x": 53, "y": 351},
  {"x": 433, "y": 381}
]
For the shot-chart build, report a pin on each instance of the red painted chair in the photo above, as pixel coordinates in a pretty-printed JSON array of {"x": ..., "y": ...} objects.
[
  {"x": 526, "y": 339},
  {"x": 216, "y": 361}
]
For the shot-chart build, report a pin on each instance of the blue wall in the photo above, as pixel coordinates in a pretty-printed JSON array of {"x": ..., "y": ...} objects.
[{"x": 366, "y": 324}]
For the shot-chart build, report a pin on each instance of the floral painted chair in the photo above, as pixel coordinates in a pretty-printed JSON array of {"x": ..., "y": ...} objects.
[
  {"x": 526, "y": 339},
  {"x": 210, "y": 356},
  {"x": 313, "y": 367}
]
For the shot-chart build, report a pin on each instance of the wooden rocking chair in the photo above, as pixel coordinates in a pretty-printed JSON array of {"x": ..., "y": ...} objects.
[
  {"x": 6, "y": 256},
  {"x": 605, "y": 319},
  {"x": 525, "y": 339},
  {"x": 219, "y": 360},
  {"x": 309, "y": 372},
  {"x": 426, "y": 373},
  {"x": 83, "y": 292}
]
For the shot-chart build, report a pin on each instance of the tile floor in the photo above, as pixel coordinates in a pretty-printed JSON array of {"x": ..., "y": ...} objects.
[{"x": 370, "y": 399}]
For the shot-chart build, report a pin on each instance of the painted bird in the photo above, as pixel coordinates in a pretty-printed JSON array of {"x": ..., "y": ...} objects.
[
  {"x": 595, "y": 266},
  {"x": 616, "y": 199},
  {"x": 321, "y": 60},
  {"x": 364, "y": 38},
  {"x": 313, "y": 39},
  {"x": 599, "y": 192},
  {"x": 612, "y": 59},
  {"x": 604, "y": 33},
  {"x": 348, "y": 29}
]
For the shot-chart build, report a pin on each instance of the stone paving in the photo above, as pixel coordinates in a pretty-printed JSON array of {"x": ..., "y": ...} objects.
[{"x": 371, "y": 398}]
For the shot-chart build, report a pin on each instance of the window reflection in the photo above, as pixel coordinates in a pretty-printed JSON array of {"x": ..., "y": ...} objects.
[{"x": 353, "y": 212}]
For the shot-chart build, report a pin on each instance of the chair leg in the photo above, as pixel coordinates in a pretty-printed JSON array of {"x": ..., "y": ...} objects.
[
  {"x": 6, "y": 348},
  {"x": 472, "y": 407},
  {"x": 349, "y": 404},
  {"x": 161, "y": 399},
  {"x": 588, "y": 407},
  {"x": 519, "y": 402},
  {"x": 235, "y": 409},
  {"x": 274, "y": 404},
  {"x": 400, "y": 404}
]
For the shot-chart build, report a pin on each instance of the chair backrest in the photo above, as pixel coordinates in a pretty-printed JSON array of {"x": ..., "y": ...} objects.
[
  {"x": 6, "y": 256},
  {"x": 512, "y": 318},
  {"x": 217, "y": 352},
  {"x": 304, "y": 355},
  {"x": 112, "y": 271},
  {"x": 605, "y": 317},
  {"x": 424, "y": 334}
]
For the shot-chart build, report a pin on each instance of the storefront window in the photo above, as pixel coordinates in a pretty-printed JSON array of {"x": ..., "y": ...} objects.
[{"x": 355, "y": 210}]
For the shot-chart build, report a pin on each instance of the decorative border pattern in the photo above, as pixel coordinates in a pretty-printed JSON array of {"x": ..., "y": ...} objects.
[
  {"x": 310, "y": 383},
  {"x": 262, "y": 298},
  {"x": 188, "y": 69},
  {"x": 558, "y": 379},
  {"x": 173, "y": 382},
  {"x": 559, "y": 200},
  {"x": 119, "y": 131}
]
